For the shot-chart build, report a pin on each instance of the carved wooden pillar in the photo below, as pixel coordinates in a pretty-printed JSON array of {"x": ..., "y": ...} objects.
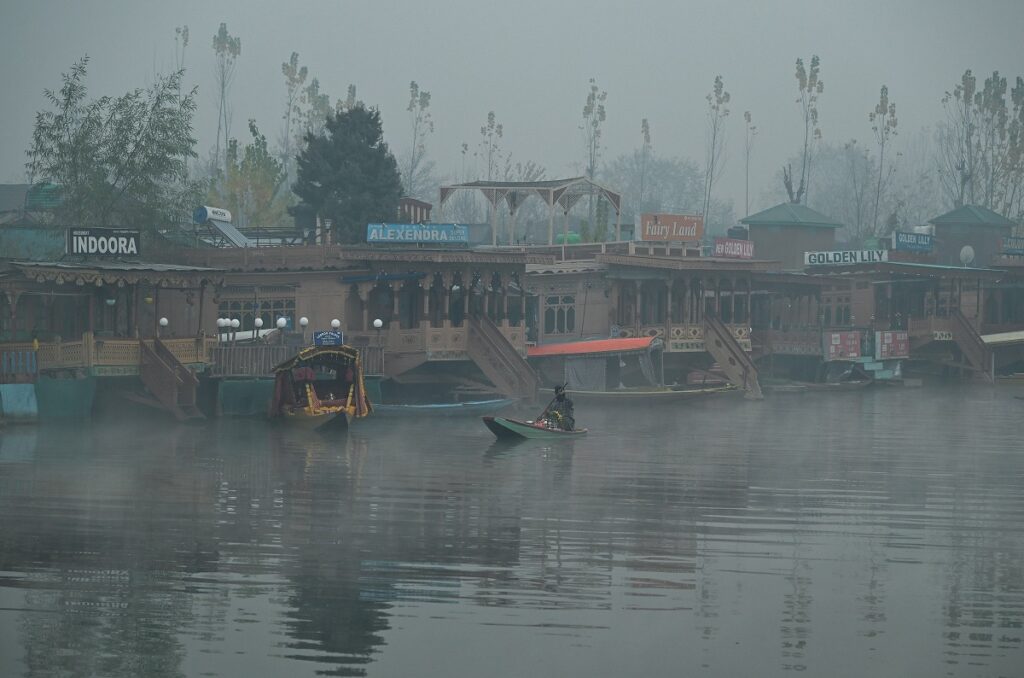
[{"x": 638, "y": 301}]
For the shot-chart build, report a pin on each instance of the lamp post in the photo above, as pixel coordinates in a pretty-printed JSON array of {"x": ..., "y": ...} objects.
[
  {"x": 281, "y": 324},
  {"x": 235, "y": 324},
  {"x": 163, "y": 323},
  {"x": 257, "y": 324},
  {"x": 303, "y": 322},
  {"x": 377, "y": 324}
]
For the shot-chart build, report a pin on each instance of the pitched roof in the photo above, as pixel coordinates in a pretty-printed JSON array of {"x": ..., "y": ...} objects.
[
  {"x": 790, "y": 214},
  {"x": 971, "y": 215}
]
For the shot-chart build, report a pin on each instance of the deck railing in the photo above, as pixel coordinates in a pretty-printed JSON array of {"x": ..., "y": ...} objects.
[
  {"x": 259, "y": 360},
  {"x": 90, "y": 351}
]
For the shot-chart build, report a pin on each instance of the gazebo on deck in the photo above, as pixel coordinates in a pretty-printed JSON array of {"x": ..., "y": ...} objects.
[{"x": 564, "y": 193}]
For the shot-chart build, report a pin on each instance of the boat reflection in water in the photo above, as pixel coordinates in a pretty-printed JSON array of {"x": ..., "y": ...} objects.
[{"x": 855, "y": 535}]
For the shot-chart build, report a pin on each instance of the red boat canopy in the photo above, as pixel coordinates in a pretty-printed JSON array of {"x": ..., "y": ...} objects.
[{"x": 592, "y": 347}]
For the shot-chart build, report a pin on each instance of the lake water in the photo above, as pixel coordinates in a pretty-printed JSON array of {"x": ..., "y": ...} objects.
[{"x": 878, "y": 533}]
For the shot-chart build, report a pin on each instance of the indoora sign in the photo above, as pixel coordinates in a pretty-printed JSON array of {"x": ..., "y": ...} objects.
[
  {"x": 845, "y": 258},
  {"x": 116, "y": 242},
  {"x": 671, "y": 227},
  {"x": 418, "y": 233}
]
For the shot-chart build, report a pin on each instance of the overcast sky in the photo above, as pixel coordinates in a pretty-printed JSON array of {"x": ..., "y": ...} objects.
[{"x": 529, "y": 61}]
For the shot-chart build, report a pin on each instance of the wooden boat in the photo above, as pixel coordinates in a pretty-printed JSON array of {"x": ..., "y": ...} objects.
[
  {"x": 320, "y": 385},
  {"x": 513, "y": 429},
  {"x": 468, "y": 408},
  {"x": 804, "y": 387},
  {"x": 648, "y": 394}
]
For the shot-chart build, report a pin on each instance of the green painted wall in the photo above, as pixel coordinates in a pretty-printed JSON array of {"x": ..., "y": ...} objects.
[
  {"x": 244, "y": 397},
  {"x": 65, "y": 398}
]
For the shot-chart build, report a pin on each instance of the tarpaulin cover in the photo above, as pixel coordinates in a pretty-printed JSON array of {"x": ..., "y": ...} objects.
[
  {"x": 586, "y": 374},
  {"x": 591, "y": 347}
]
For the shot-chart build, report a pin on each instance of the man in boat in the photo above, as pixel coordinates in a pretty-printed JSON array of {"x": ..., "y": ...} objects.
[{"x": 561, "y": 410}]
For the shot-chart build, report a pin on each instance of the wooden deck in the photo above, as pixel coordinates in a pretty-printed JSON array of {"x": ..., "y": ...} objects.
[{"x": 102, "y": 356}]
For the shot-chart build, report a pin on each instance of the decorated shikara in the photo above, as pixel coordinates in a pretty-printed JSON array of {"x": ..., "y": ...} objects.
[{"x": 320, "y": 385}]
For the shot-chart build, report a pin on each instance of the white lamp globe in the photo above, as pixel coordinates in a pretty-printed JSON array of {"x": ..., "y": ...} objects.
[
  {"x": 163, "y": 322},
  {"x": 220, "y": 322},
  {"x": 335, "y": 323},
  {"x": 303, "y": 321},
  {"x": 235, "y": 323},
  {"x": 282, "y": 323},
  {"x": 378, "y": 323},
  {"x": 258, "y": 323}
]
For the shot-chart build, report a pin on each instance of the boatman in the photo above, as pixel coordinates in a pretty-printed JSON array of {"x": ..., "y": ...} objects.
[{"x": 562, "y": 410}]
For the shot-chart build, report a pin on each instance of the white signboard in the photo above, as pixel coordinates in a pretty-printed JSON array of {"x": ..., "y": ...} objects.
[{"x": 845, "y": 258}]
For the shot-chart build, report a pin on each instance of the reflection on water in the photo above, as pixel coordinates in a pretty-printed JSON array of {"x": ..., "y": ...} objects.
[{"x": 874, "y": 533}]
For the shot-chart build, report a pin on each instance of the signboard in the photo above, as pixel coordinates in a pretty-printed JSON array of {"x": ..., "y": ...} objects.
[
  {"x": 418, "y": 233},
  {"x": 1013, "y": 246},
  {"x": 328, "y": 338},
  {"x": 845, "y": 258},
  {"x": 734, "y": 249},
  {"x": 671, "y": 227},
  {"x": 911, "y": 242},
  {"x": 892, "y": 345},
  {"x": 116, "y": 242},
  {"x": 841, "y": 345}
]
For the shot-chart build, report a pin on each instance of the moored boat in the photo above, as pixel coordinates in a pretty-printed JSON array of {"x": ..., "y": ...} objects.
[
  {"x": 467, "y": 408},
  {"x": 648, "y": 394},
  {"x": 320, "y": 385},
  {"x": 512, "y": 429}
]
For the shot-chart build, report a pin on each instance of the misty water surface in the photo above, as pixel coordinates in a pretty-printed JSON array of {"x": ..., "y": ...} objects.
[{"x": 860, "y": 534}]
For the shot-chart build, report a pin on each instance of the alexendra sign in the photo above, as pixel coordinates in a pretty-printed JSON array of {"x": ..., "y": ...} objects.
[{"x": 845, "y": 258}]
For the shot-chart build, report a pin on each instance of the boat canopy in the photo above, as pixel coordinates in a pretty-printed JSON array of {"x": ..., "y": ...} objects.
[
  {"x": 596, "y": 347},
  {"x": 297, "y": 376},
  {"x": 316, "y": 356}
]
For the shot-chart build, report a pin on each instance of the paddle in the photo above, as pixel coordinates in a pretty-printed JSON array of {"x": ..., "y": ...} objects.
[{"x": 546, "y": 407}]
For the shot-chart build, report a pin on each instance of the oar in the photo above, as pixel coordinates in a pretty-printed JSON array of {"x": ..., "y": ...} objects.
[{"x": 545, "y": 410}]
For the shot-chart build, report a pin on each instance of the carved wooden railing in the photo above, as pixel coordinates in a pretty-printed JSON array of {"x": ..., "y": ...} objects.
[
  {"x": 159, "y": 378},
  {"x": 727, "y": 351},
  {"x": 499, "y": 360},
  {"x": 239, "y": 361},
  {"x": 974, "y": 349},
  {"x": 90, "y": 351}
]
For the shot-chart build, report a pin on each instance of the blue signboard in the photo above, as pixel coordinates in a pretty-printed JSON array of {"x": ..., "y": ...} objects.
[
  {"x": 418, "y": 233},
  {"x": 328, "y": 338},
  {"x": 1013, "y": 246},
  {"x": 911, "y": 242}
]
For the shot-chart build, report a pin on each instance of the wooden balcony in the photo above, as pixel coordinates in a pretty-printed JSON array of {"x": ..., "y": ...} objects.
[
  {"x": 102, "y": 356},
  {"x": 259, "y": 360},
  {"x": 446, "y": 342}
]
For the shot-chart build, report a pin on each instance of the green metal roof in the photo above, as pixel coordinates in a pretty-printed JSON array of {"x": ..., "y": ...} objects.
[
  {"x": 790, "y": 214},
  {"x": 43, "y": 197},
  {"x": 971, "y": 215}
]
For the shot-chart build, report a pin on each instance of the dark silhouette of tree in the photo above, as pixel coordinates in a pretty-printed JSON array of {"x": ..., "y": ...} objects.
[{"x": 347, "y": 174}]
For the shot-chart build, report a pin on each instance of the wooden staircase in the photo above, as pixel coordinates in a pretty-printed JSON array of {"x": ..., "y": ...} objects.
[
  {"x": 171, "y": 383},
  {"x": 975, "y": 351},
  {"x": 499, "y": 360},
  {"x": 737, "y": 365}
]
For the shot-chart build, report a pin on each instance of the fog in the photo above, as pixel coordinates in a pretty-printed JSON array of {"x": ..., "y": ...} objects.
[{"x": 530, "y": 62}]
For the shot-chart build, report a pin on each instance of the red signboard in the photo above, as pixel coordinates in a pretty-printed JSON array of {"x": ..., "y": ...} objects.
[
  {"x": 734, "y": 249},
  {"x": 892, "y": 345},
  {"x": 671, "y": 227},
  {"x": 841, "y": 345}
]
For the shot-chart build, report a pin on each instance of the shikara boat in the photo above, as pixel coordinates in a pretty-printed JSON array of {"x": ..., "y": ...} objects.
[
  {"x": 468, "y": 408},
  {"x": 320, "y": 385},
  {"x": 512, "y": 429}
]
